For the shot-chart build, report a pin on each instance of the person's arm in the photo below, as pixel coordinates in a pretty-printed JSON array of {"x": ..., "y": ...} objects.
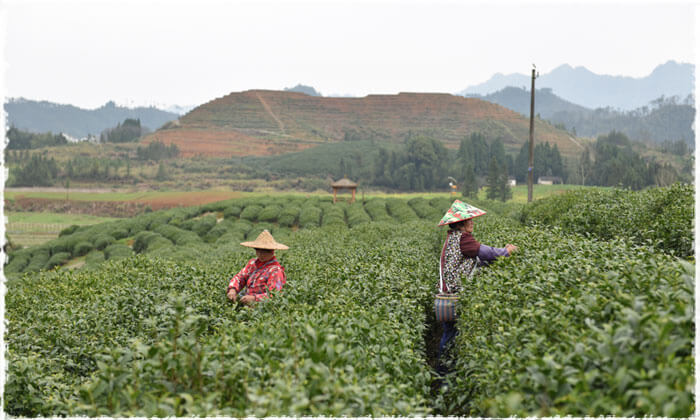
[
  {"x": 488, "y": 253},
  {"x": 238, "y": 281},
  {"x": 275, "y": 281}
]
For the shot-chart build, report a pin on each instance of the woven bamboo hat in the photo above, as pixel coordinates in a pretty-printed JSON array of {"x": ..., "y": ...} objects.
[
  {"x": 264, "y": 241},
  {"x": 460, "y": 211}
]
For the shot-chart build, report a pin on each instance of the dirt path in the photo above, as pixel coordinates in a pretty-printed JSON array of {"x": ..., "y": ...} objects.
[{"x": 272, "y": 114}]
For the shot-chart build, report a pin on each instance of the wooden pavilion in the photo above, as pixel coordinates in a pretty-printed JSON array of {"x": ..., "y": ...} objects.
[{"x": 344, "y": 184}]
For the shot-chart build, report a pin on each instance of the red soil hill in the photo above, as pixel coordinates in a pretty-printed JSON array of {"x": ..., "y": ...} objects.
[{"x": 263, "y": 122}]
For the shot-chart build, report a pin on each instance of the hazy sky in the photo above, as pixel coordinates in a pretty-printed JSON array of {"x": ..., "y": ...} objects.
[{"x": 189, "y": 52}]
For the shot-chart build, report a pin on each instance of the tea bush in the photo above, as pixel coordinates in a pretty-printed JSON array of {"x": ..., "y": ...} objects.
[
  {"x": 574, "y": 326},
  {"x": 151, "y": 337},
  {"x": 270, "y": 213},
  {"x": 662, "y": 217}
]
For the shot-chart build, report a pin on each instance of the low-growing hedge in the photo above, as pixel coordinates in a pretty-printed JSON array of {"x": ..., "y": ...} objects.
[
  {"x": 660, "y": 217},
  {"x": 204, "y": 224},
  {"x": 57, "y": 260},
  {"x": 376, "y": 208},
  {"x": 357, "y": 215},
  {"x": 251, "y": 213},
  {"x": 270, "y": 214},
  {"x": 178, "y": 236},
  {"x": 400, "y": 210},
  {"x": 117, "y": 251},
  {"x": 289, "y": 215},
  {"x": 573, "y": 326},
  {"x": 310, "y": 216}
]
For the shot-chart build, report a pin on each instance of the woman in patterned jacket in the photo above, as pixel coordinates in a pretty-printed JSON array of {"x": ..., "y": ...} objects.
[
  {"x": 460, "y": 258},
  {"x": 261, "y": 274}
]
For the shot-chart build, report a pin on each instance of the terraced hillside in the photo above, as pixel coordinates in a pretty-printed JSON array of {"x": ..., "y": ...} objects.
[{"x": 262, "y": 122}]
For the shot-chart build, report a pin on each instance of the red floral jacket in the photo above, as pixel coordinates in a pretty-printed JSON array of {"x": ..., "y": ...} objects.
[{"x": 258, "y": 278}]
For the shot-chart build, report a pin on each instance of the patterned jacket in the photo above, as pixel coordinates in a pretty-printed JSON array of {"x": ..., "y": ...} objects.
[
  {"x": 454, "y": 265},
  {"x": 258, "y": 278}
]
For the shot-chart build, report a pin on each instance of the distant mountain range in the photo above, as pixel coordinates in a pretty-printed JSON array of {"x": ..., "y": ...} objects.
[
  {"x": 44, "y": 116},
  {"x": 583, "y": 87},
  {"x": 662, "y": 120}
]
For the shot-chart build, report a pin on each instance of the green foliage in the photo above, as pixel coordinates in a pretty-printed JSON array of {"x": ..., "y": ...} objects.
[
  {"x": 204, "y": 224},
  {"x": 310, "y": 216},
  {"x": 178, "y": 236},
  {"x": 232, "y": 212},
  {"x": 18, "y": 261},
  {"x": 357, "y": 215},
  {"x": 81, "y": 248},
  {"x": 570, "y": 325},
  {"x": 251, "y": 212},
  {"x": 117, "y": 252},
  {"x": 420, "y": 165},
  {"x": 547, "y": 161},
  {"x": 102, "y": 240},
  {"x": 37, "y": 171},
  {"x": 18, "y": 139},
  {"x": 573, "y": 326},
  {"x": 128, "y": 131},
  {"x": 94, "y": 258},
  {"x": 289, "y": 215},
  {"x": 270, "y": 213},
  {"x": 660, "y": 217},
  {"x": 150, "y": 337},
  {"x": 423, "y": 209},
  {"x": 376, "y": 208},
  {"x": 333, "y": 214},
  {"x": 400, "y": 210},
  {"x": 67, "y": 231},
  {"x": 57, "y": 259},
  {"x": 157, "y": 151}
]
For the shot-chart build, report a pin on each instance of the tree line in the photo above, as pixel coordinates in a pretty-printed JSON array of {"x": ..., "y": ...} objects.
[{"x": 37, "y": 169}]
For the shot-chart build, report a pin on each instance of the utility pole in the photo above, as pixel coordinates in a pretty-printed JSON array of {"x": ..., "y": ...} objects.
[{"x": 530, "y": 163}]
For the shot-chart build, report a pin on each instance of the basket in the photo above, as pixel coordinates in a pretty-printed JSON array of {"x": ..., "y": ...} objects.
[{"x": 446, "y": 307}]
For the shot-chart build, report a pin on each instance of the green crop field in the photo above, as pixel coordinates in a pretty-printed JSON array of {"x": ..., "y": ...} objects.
[{"x": 580, "y": 324}]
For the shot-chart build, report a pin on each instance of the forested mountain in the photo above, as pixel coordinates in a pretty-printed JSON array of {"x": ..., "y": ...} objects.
[
  {"x": 581, "y": 86},
  {"x": 661, "y": 120},
  {"x": 43, "y": 116}
]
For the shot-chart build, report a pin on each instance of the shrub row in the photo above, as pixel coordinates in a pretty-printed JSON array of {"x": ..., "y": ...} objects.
[
  {"x": 573, "y": 326},
  {"x": 661, "y": 217}
]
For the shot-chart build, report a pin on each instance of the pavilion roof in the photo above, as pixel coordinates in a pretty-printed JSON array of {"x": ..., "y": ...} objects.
[{"x": 344, "y": 183}]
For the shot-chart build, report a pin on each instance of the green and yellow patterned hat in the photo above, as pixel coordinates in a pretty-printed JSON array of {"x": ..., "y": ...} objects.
[{"x": 460, "y": 211}]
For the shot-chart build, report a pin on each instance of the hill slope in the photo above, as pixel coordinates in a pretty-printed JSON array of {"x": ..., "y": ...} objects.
[
  {"x": 263, "y": 122},
  {"x": 581, "y": 86},
  {"x": 44, "y": 116}
]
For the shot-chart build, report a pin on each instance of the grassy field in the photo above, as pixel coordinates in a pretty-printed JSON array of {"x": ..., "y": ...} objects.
[{"x": 31, "y": 228}]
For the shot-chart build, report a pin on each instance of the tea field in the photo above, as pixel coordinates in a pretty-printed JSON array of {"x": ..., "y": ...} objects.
[{"x": 573, "y": 324}]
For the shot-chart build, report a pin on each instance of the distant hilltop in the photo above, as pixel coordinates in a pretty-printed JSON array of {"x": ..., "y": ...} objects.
[
  {"x": 583, "y": 87},
  {"x": 263, "y": 122},
  {"x": 44, "y": 116}
]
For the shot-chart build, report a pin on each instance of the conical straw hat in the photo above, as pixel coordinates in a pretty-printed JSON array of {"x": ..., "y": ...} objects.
[
  {"x": 460, "y": 211},
  {"x": 265, "y": 241}
]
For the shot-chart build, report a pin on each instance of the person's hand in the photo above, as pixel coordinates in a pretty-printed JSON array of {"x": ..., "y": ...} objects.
[
  {"x": 248, "y": 300},
  {"x": 511, "y": 248},
  {"x": 231, "y": 295}
]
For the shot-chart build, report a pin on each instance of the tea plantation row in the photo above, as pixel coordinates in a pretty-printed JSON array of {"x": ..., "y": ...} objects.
[
  {"x": 662, "y": 217},
  {"x": 150, "y": 337},
  {"x": 574, "y": 325},
  {"x": 166, "y": 233},
  {"x": 569, "y": 325}
]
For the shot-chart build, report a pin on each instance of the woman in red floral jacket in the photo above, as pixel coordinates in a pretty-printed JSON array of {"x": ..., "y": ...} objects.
[{"x": 261, "y": 274}]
